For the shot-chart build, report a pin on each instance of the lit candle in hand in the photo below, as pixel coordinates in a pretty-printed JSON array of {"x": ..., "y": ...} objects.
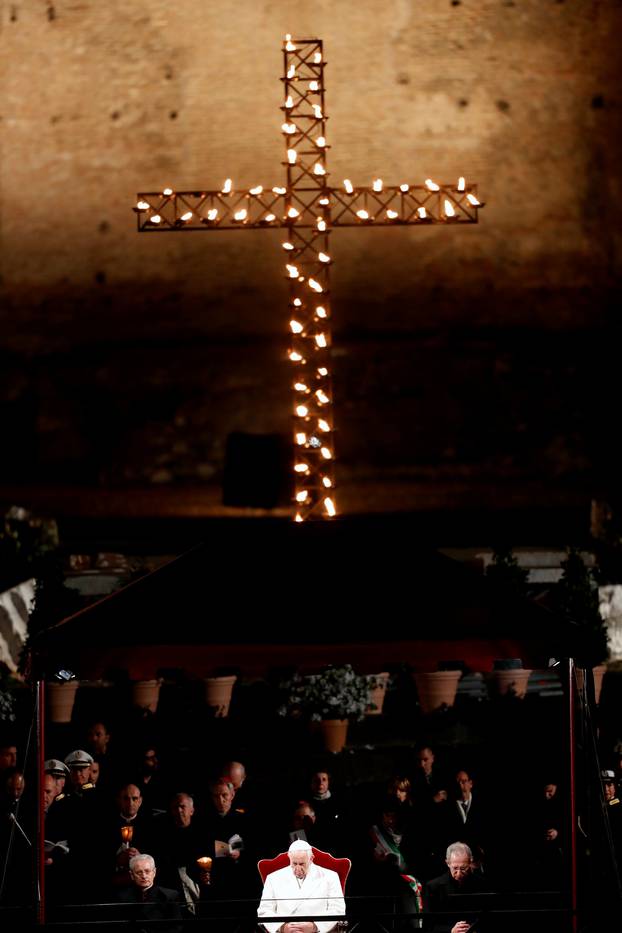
[{"x": 205, "y": 865}]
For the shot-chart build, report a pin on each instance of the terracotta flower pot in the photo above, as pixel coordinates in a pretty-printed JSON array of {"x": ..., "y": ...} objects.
[
  {"x": 60, "y": 699},
  {"x": 377, "y": 693},
  {"x": 437, "y": 689},
  {"x": 334, "y": 734},
  {"x": 599, "y": 673},
  {"x": 146, "y": 693},
  {"x": 218, "y": 692},
  {"x": 513, "y": 681}
]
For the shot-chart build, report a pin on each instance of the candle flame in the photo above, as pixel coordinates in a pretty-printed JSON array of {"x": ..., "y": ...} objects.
[
  {"x": 320, "y": 339},
  {"x": 324, "y": 201},
  {"x": 326, "y": 482},
  {"x": 317, "y": 58},
  {"x": 302, "y": 496},
  {"x": 292, "y": 155},
  {"x": 241, "y": 214},
  {"x": 321, "y": 224},
  {"x": 320, "y": 142},
  {"x": 422, "y": 212},
  {"x": 212, "y": 214},
  {"x": 461, "y": 183},
  {"x": 156, "y": 219},
  {"x": 315, "y": 285},
  {"x": 404, "y": 188},
  {"x": 301, "y": 438},
  {"x": 278, "y": 190},
  {"x": 318, "y": 169},
  {"x": 142, "y": 206},
  {"x": 288, "y": 128},
  {"x": 289, "y": 45},
  {"x": 449, "y": 209},
  {"x": 314, "y": 86},
  {"x": 292, "y": 271},
  {"x": 347, "y": 184},
  {"x": 320, "y": 311},
  {"x": 431, "y": 185},
  {"x": 364, "y": 215},
  {"x": 297, "y": 302},
  {"x": 473, "y": 200},
  {"x": 377, "y": 184},
  {"x": 317, "y": 111},
  {"x": 289, "y": 102},
  {"x": 391, "y": 214},
  {"x": 292, "y": 212},
  {"x": 256, "y": 190},
  {"x": 296, "y": 327},
  {"x": 300, "y": 387},
  {"x": 270, "y": 217},
  {"x": 298, "y": 517},
  {"x": 167, "y": 192},
  {"x": 323, "y": 425},
  {"x": 302, "y": 411},
  {"x": 294, "y": 357},
  {"x": 323, "y": 257},
  {"x": 186, "y": 217},
  {"x": 322, "y": 371},
  {"x": 326, "y": 453},
  {"x": 288, "y": 245},
  {"x": 291, "y": 71},
  {"x": 330, "y": 506},
  {"x": 227, "y": 187},
  {"x": 321, "y": 396},
  {"x": 301, "y": 468}
]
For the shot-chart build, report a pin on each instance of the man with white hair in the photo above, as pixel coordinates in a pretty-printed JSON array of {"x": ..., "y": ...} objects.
[{"x": 304, "y": 889}]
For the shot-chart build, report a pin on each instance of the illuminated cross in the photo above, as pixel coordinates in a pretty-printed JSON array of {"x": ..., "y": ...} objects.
[{"x": 307, "y": 207}]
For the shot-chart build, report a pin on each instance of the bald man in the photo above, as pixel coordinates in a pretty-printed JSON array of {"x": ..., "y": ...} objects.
[{"x": 302, "y": 888}]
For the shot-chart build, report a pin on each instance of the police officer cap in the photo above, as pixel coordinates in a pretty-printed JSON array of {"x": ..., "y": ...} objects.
[
  {"x": 608, "y": 777},
  {"x": 78, "y": 759},
  {"x": 55, "y": 767}
]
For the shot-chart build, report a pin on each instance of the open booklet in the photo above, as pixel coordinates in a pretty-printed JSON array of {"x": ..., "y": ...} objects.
[
  {"x": 57, "y": 848},
  {"x": 223, "y": 849}
]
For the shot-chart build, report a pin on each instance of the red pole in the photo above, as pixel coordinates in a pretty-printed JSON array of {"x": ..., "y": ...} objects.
[
  {"x": 573, "y": 801},
  {"x": 40, "y": 841}
]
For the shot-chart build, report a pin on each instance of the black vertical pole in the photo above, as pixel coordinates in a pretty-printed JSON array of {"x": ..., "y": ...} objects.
[
  {"x": 573, "y": 798},
  {"x": 39, "y": 848}
]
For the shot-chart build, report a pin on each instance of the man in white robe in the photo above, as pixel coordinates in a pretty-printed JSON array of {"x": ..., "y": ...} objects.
[{"x": 302, "y": 888}]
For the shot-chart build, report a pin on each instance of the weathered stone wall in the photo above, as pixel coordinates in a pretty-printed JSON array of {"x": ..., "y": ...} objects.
[{"x": 472, "y": 353}]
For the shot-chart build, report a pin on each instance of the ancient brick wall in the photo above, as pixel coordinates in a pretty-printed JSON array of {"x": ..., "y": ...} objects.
[{"x": 473, "y": 354}]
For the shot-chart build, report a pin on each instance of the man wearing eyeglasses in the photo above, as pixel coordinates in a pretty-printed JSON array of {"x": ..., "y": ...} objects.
[
  {"x": 458, "y": 879},
  {"x": 146, "y": 900}
]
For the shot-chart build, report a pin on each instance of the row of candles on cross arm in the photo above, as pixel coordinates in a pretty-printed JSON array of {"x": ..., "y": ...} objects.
[
  {"x": 242, "y": 215},
  {"x": 127, "y": 832}
]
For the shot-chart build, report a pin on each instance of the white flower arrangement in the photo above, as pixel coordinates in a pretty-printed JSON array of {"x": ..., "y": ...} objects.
[{"x": 334, "y": 693}]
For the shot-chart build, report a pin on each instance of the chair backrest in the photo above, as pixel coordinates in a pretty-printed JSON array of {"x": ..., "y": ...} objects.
[{"x": 324, "y": 859}]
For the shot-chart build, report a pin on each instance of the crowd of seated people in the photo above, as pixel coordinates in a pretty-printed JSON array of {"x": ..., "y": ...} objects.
[{"x": 204, "y": 832}]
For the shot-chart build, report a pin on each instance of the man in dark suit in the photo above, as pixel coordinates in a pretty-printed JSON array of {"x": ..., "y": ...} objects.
[
  {"x": 145, "y": 900},
  {"x": 459, "y": 879},
  {"x": 464, "y": 816}
]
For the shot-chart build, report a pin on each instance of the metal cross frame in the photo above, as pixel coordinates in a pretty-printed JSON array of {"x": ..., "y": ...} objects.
[{"x": 308, "y": 208}]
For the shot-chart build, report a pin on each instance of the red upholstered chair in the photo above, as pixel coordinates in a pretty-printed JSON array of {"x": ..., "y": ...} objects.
[{"x": 324, "y": 859}]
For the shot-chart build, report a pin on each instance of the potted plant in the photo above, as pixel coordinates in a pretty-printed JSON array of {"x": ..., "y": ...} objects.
[
  {"x": 218, "y": 691},
  {"x": 507, "y": 582},
  {"x": 332, "y": 697},
  {"x": 575, "y": 598}
]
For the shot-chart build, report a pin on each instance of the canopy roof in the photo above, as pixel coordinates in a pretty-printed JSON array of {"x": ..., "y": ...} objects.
[{"x": 256, "y": 592}]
